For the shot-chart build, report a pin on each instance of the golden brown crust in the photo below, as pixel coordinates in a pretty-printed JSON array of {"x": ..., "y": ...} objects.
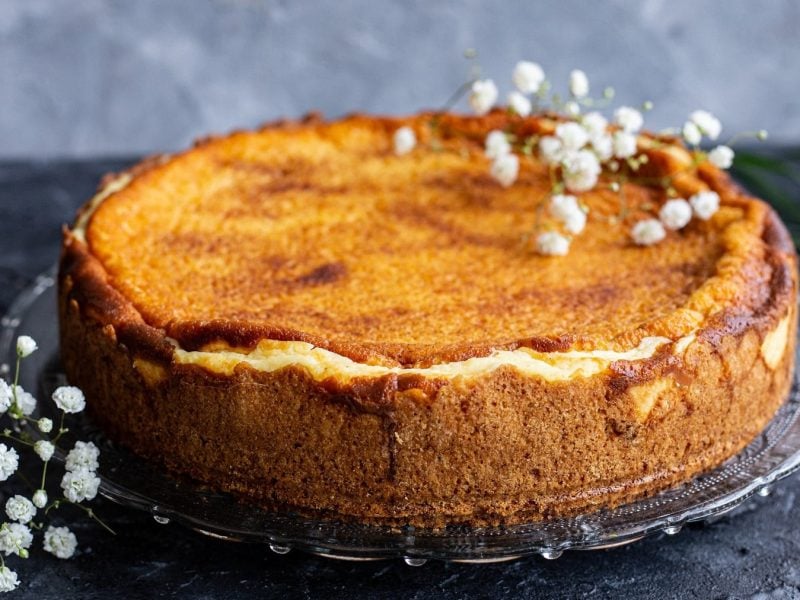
[
  {"x": 503, "y": 447},
  {"x": 258, "y": 235}
]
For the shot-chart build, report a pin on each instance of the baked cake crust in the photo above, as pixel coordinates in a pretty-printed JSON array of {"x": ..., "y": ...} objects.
[{"x": 415, "y": 431}]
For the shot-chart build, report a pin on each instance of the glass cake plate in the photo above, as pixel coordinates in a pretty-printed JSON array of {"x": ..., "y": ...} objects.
[{"x": 132, "y": 482}]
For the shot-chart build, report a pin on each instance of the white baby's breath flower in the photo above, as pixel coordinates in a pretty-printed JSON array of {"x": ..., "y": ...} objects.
[
  {"x": 519, "y": 104},
  {"x": 527, "y": 76},
  {"x": 594, "y": 123},
  {"x": 552, "y": 243},
  {"x": 505, "y": 169},
  {"x": 551, "y": 149},
  {"x": 25, "y": 401},
  {"x": 60, "y": 542},
  {"x": 20, "y": 509},
  {"x": 572, "y": 108},
  {"x": 8, "y": 579},
  {"x": 83, "y": 455},
  {"x": 566, "y": 209},
  {"x": 648, "y": 232},
  {"x": 562, "y": 205},
  {"x": 572, "y": 136},
  {"x": 40, "y": 498},
  {"x": 80, "y": 485},
  {"x": 15, "y": 538},
  {"x": 6, "y": 396},
  {"x": 483, "y": 96},
  {"x": 575, "y": 222},
  {"x": 721, "y": 156},
  {"x": 628, "y": 118},
  {"x": 581, "y": 170},
  {"x": 26, "y": 346},
  {"x": 624, "y": 144},
  {"x": 404, "y": 140},
  {"x": 705, "y": 204},
  {"x": 69, "y": 399},
  {"x": 496, "y": 144},
  {"x": 578, "y": 83},
  {"x": 45, "y": 425},
  {"x": 44, "y": 449},
  {"x": 691, "y": 133},
  {"x": 675, "y": 214},
  {"x": 603, "y": 146},
  {"x": 707, "y": 123},
  {"x": 9, "y": 461}
]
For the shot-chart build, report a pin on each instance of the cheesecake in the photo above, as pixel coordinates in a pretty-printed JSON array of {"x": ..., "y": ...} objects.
[{"x": 303, "y": 318}]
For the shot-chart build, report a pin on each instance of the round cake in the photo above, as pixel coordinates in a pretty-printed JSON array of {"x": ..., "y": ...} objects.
[{"x": 306, "y": 318}]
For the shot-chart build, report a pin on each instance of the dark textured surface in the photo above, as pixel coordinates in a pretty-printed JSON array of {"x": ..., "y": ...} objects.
[{"x": 752, "y": 553}]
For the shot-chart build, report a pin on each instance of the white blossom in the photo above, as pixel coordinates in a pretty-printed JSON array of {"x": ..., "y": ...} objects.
[
  {"x": 45, "y": 425},
  {"x": 595, "y": 123},
  {"x": 721, "y": 156},
  {"x": 527, "y": 76},
  {"x": 603, "y": 146},
  {"x": 551, "y": 149},
  {"x": 572, "y": 136},
  {"x": 20, "y": 509},
  {"x": 25, "y": 401},
  {"x": 15, "y": 538},
  {"x": 675, "y": 214},
  {"x": 578, "y": 83},
  {"x": 80, "y": 485},
  {"x": 6, "y": 396},
  {"x": 83, "y": 455},
  {"x": 707, "y": 123},
  {"x": 691, "y": 133},
  {"x": 648, "y": 232},
  {"x": 520, "y": 104},
  {"x": 8, "y": 579},
  {"x": 565, "y": 208},
  {"x": 26, "y": 346},
  {"x": 40, "y": 498},
  {"x": 69, "y": 399},
  {"x": 505, "y": 169},
  {"x": 581, "y": 170},
  {"x": 552, "y": 243},
  {"x": 9, "y": 461},
  {"x": 60, "y": 542},
  {"x": 404, "y": 140},
  {"x": 44, "y": 449},
  {"x": 483, "y": 96},
  {"x": 624, "y": 144},
  {"x": 705, "y": 204},
  {"x": 628, "y": 118},
  {"x": 572, "y": 108},
  {"x": 496, "y": 144}
]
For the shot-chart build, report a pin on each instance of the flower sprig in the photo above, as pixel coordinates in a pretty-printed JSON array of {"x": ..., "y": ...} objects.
[
  {"x": 79, "y": 483},
  {"x": 585, "y": 150}
]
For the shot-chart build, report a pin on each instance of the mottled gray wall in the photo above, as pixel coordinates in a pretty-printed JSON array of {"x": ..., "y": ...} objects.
[{"x": 85, "y": 77}]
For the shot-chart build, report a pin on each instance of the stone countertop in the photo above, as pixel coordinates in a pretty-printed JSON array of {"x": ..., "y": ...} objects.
[{"x": 754, "y": 552}]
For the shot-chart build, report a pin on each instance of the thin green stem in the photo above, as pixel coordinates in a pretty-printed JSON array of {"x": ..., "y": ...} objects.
[{"x": 92, "y": 514}]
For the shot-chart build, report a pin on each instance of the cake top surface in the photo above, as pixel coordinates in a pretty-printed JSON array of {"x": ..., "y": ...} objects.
[{"x": 317, "y": 231}]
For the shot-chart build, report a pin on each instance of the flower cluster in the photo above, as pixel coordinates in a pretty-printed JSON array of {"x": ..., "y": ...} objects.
[
  {"x": 586, "y": 150},
  {"x": 79, "y": 482}
]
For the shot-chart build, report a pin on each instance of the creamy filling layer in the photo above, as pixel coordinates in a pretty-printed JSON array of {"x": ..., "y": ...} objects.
[{"x": 271, "y": 355}]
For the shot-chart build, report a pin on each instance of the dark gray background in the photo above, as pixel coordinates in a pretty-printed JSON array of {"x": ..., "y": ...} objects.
[{"x": 89, "y": 77}]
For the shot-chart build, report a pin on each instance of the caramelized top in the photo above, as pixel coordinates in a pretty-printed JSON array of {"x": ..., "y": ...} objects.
[{"x": 316, "y": 231}]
